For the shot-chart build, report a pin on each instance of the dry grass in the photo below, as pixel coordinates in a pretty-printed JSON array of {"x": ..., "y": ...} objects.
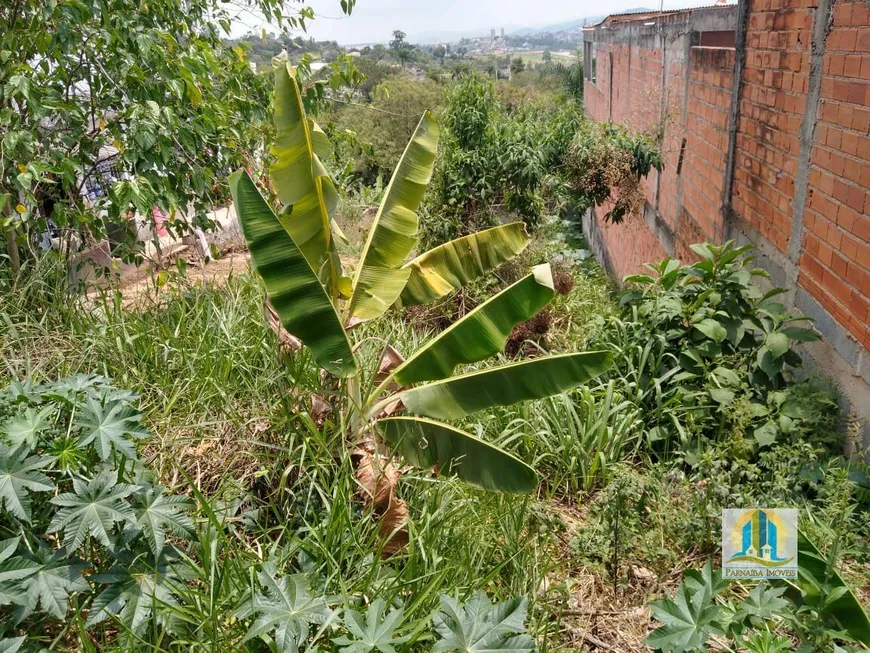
[{"x": 225, "y": 451}]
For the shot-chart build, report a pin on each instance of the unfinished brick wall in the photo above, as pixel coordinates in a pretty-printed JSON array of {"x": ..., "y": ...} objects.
[
  {"x": 835, "y": 261},
  {"x": 767, "y": 142},
  {"x": 772, "y": 105},
  {"x": 688, "y": 99},
  {"x": 667, "y": 183},
  {"x": 705, "y": 157},
  {"x": 635, "y": 88}
]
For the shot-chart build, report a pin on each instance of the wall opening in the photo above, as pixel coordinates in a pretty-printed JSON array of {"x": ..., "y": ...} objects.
[
  {"x": 718, "y": 39},
  {"x": 589, "y": 61}
]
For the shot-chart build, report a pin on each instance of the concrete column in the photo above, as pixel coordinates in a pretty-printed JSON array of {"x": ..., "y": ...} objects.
[
  {"x": 728, "y": 227},
  {"x": 821, "y": 27}
]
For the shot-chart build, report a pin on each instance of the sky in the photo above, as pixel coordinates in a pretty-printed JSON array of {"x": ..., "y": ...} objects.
[{"x": 373, "y": 21}]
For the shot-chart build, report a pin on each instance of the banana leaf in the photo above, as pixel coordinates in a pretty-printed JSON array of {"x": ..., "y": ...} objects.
[
  {"x": 450, "y": 266},
  {"x": 505, "y": 385},
  {"x": 482, "y": 333},
  {"x": 291, "y": 284},
  {"x": 426, "y": 443},
  {"x": 846, "y": 610},
  {"x": 380, "y": 276},
  {"x": 301, "y": 182}
]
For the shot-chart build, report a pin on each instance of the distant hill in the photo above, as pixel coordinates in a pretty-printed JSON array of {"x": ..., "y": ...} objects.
[
  {"x": 570, "y": 25},
  {"x": 442, "y": 36}
]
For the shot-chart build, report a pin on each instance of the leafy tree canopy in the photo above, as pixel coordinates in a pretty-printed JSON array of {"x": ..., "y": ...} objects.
[{"x": 107, "y": 106}]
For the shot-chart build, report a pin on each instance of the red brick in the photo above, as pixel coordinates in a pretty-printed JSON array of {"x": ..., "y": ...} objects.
[
  {"x": 852, "y": 171},
  {"x": 857, "y": 277},
  {"x": 863, "y": 41},
  {"x": 848, "y": 39},
  {"x": 857, "y": 92},
  {"x": 849, "y": 144},
  {"x": 856, "y": 198},
  {"x": 861, "y": 120},
  {"x": 845, "y": 116},
  {"x": 834, "y": 283},
  {"x": 846, "y": 217},
  {"x": 826, "y": 254},
  {"x": 852, "y": 66},
  {"x": 861, "y": 228},
  {"x": 849, "y": 248},
  {"x": 843, "y": 15},
  {"x": 841, "y": 191}
]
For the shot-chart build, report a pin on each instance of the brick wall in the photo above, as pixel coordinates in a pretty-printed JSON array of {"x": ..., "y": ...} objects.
[
  {"x": 835, "y": 259},
  {"x": 667, "y": 182},
  {"x": 703, "y": 169},
  {"x": 688, "y": 93},
  {"x": 767, "y": 142},
  {"x": 772, "y": 105},
  {"x": 635, "y": 85}
]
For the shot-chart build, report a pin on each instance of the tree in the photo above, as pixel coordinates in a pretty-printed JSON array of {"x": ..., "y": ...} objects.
[
  {"x": 517, "y": 65},
  {"x": 399, "y": 101},
  {"x": 400, "y": 47},
  {"x": 572, "y": 78},
  {"x": 547, "y": 57},
  {"x": 107, "y": 108},
  {"x": 439, "y": 52}
]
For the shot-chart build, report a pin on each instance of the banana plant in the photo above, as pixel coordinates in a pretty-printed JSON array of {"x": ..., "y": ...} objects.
[{"x": 294, "y": 251}]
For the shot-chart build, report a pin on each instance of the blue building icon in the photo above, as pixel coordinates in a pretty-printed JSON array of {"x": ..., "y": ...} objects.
[{"x": 759, "y": 537}]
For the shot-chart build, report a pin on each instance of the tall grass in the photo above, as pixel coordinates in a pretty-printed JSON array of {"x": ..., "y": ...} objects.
[{"x": 233, "y": 428}]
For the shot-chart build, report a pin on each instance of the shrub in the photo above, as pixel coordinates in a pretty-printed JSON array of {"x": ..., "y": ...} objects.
[
  {"x": 605, "y": 163},
  {"x": 819, "y": 609},
  {"x": 709, "y": 353},
  {"x": 83, "y": 522},
  {"x": 530, "y": 158}
]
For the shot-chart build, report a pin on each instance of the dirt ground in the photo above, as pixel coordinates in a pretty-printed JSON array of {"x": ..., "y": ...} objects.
[{"x": 141, "y": 285}]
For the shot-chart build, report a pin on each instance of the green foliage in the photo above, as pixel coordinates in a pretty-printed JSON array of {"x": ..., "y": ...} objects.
[
  {"x": 466, "y": 175},
  {"x": 313, "y": 299},
  {"x": 150, "y": 89},
  {"x": 286, "y": 607},
  {"x": 382, "y": 128},
  {"x": 101, "y": 508},
  {"x": 480, "y": 626},
  {"x": 488, "y": 155},
  {"x": 19, "y": 477},
  {"x": 719, "y": 345},
  {"x": 375, "y": 631},
  {"x": 234, "y": 430},
  {"x": 692, "y": 616},
  {"x": 701, "y": 609},
  {"x": 400, "y": 48},
  {"x": 92, "y": 509},
  {"x": 529, "y": 157},
  {"x": 605, "y": 163},
  {"x": 571, "y": 76}
]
